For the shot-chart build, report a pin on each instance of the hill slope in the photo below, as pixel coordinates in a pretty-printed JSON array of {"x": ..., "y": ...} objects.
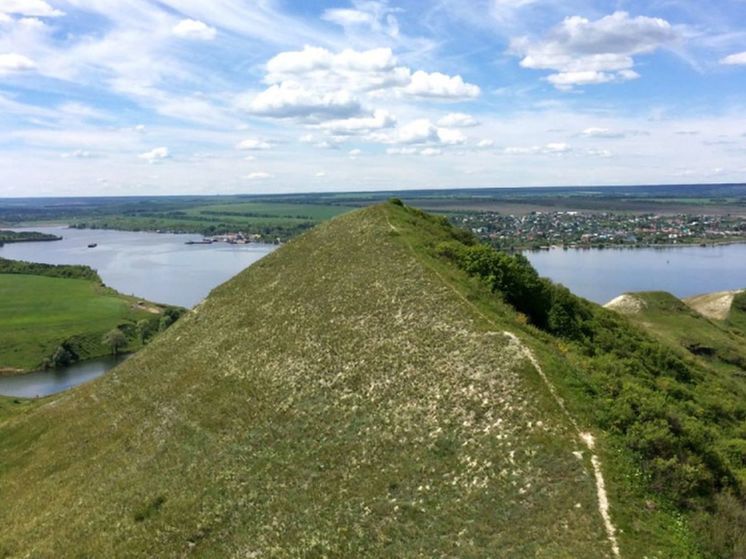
[
  {"x": 347, "y": 396},
  {"x": 336, "y": 398}
]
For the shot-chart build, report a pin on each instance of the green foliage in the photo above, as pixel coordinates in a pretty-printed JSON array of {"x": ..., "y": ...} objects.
[
  {"x": 685, "y": 426},
  {"x": 169, "y": 316},
  {"x": 115, "y": 340},
  {"x": 70, "y": 271},
  {"x": 25, "y": 236},
  {"x": 64, "y": 355},
  {"x": 724, "y": 527}
]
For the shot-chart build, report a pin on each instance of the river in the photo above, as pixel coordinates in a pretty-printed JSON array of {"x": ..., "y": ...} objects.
[
  {"x": 44, "y": 383},
  {"x": 159, "y": 267},
  {"x": 602, "y": 274}
]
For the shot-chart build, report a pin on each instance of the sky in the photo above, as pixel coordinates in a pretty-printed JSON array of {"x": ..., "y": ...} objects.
[{"x": 139, "y": 97}]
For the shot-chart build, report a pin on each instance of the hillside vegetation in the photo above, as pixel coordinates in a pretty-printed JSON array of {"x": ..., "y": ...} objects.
[
  {"x": 56, "y": 315},
  {"x": 382, "y": 386}
]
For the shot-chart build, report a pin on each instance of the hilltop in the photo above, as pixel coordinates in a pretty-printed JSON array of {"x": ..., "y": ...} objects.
[{"x": 378, "y": 387}]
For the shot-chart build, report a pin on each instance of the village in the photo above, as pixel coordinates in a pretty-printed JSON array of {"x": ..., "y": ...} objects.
[
  {"x": 237, "y": 238},
  {"x": 570, "y": 229}
]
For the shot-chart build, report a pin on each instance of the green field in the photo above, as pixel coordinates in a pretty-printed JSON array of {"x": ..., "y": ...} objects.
[
  {"x": 271, "y": 220},
  {"x": 38, "y": 314}
]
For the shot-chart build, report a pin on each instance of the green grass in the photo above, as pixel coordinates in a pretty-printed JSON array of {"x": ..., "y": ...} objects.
[
  {"x": 712, "y": 343},
  {"x": 38, "y": 313}
]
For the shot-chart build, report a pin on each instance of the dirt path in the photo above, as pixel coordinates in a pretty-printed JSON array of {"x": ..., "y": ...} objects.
[{"x": 586, "y": 437}]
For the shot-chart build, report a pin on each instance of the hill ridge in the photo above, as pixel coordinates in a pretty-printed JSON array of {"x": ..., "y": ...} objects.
[{"x": 584, "y": 436}]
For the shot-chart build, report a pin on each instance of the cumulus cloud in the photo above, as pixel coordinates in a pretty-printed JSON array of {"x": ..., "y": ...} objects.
[
  {"x": 194, "y": 29},
  {"x": 431, "y": 151},
  {"x": 439, "y": 85},
  {"x": 354, "y": 153},
  {"x": 356, "y": 125},
  {"x": 736, "y": 59},
  {"x": 316, "y": 84},
  {"x": 485, "y": 143},
  {"x": 291, "y": 100},
  {"x": 583, "y": 52},
  {"x": 253, "y": 144},
  {"x": 37, "y": 8},
  {"x": 258, "y": 175},
  {"x": 155, "y": 155},
  {"x": 458, "y": 120},
  {"x": 13, "y": 62},
  {"x": 320, "y": 174},
  {"x": 420, "y": 131}
]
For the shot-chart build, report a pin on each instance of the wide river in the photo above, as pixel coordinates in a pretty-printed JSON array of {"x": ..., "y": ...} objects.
[
  {"x": 159, "y": 267},
  {"x": 602, "y": 274}
]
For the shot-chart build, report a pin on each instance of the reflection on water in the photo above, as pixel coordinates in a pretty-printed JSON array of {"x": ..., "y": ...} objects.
[{"x": 44, "y": 383}]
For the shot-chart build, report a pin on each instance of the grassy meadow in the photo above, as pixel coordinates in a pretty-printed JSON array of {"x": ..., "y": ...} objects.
[{"x": 39, "y": 313}]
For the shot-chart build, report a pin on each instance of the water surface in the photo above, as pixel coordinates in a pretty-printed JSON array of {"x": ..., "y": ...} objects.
[
  {"x": 155, "y": 266},
  {"x": 602, "y": 274},
  {"x": 44, "y": 383}
]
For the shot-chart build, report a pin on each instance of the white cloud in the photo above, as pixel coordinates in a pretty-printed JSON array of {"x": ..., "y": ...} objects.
[
  {"x": 316, "y": 84},
  {"x": 253, "y": 144},
  {"x": 450, "y": 137},
  {"x": 557, "y": 147},
  {"x": 155, "y": 155},
  {"x": 29, "y": 8},
  {"x": 594, "y": 132},
  {"x": 258, "y": 175},
  {"x": 320, "y": 174},
  {"x": 380, "y": 119},
  {"x": 428, "y": 151},
  {"x": 485, "y": 143},
  {"x": 583, "y": 52},
  {"x": 420, "y": 131},
  {"x": 193, "y": 29},
  {"x": 376, "y": 16},
  {"x": 401, "y": 151},
  {"x": 291, "y": 100},
  {"x": 735, "y": 59},
  {"x": 458, "y": 120},
  {"x": 439, "y": 85},
  {"x": 349, "y": 69},
  {"x": 353, "y": 153},
  {"x": 13, "y": 62},
  {"x": 345, "y": 16},
  {"x": 552, "y": 148}
]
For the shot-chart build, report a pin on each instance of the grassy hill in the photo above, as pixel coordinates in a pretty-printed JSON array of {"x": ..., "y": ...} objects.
[
  {"x": 44, "y": 307},
  {"x": 364, "y": 391}
]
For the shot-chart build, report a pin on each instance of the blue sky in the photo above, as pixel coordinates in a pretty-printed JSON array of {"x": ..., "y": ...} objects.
[{"x": 114, "y": 97}]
